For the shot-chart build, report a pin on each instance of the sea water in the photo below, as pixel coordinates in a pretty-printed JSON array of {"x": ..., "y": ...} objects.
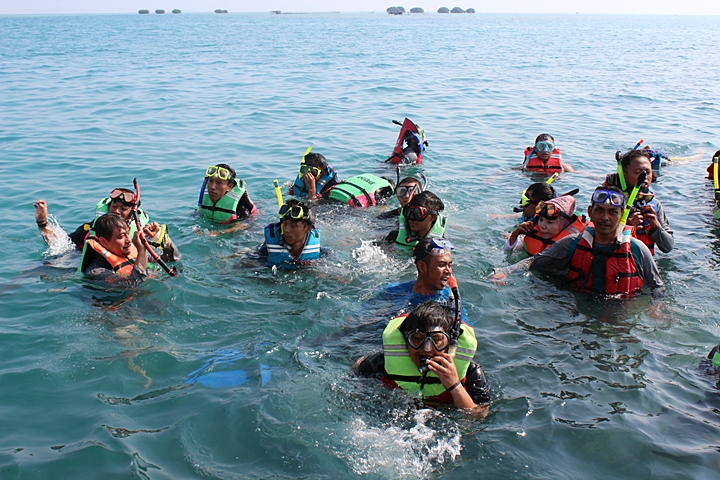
[{"x": 102, "y": 384}]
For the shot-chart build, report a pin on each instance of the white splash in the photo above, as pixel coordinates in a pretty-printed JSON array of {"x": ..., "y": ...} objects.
[
  {"x": 58, "y": 241},
  {"x": 400, "y": 451}
]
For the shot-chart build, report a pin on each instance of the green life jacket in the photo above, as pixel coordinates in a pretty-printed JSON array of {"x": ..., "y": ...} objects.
[
  {"x": 363, "y": 190},
  {"x": 407, "y": 238},
  {"x": 225, "y": 210},
  {"x": 400, "y": 368}
]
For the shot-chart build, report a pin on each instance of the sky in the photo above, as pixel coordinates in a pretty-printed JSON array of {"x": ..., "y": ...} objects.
[{"x": 656, "y": 7}]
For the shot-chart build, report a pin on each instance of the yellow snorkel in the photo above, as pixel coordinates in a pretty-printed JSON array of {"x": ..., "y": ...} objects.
[
  {"x": 715, "y": 173},
  {"x": 278, "y": 193},
  {"x": 302, "y": 161},
  {"x": 552, "y": 179},
  {"x": 631, "y": 200},
  {"x": 621, "y": 174}
]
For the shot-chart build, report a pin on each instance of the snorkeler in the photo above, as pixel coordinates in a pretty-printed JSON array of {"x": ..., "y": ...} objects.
[
  {"x": 554, "y": 219},
  {"x": 111, "y": 257},
  {"x": 422, "y": 352},
  {"x": 545, "y": 157},
  {"x": 224, "y": 198},
  {"x": 315, "y": 177},
  {"x": 420, "y": 218},
  {"x": 647, "y": 214},
  {"x": 294, "y": 241},
  {"x": 604, "y": 258}
]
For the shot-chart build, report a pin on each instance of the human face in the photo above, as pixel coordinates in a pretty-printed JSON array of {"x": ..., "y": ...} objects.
[
  {"x": 548, "y": 228},
  {"x": 217, "y": 188},
  {"x": 635, "y": 168},
  {"x": 606, "y": 219},
  {"x": 120, "y": 208},
  {"x": 434, "y": 274},
  {"x": 427, "y": 349},
  {"x": 528, "y": 210},
  {"x": 119, "y": 243},
  {"x": 295, "y": 233},
  {"x": 412, "y": 189}
]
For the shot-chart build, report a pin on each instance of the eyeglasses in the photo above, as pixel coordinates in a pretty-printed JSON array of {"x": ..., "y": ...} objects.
[
  {"x": 314, "y": 171},
  {"x": 406, "y": 191},
  {"x": 607, "y": 196},
  {"x": 417, "y": 338},
  {"x": 417, "y": 213},
  {"x": 122, "y": 195},
  {"x": 545, "y": 146},
  {"x": 220, "y": 172},
  {"x": 293, "y": 211}
]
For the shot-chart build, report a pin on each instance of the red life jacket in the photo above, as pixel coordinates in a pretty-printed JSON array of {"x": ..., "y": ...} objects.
[
  {"x": 398, "y": 154},
  {"x": 535, "y": 244},
  {"x": 621, "y": 275},
  {"x": 534, "y": 164},
  {"x": 121, "y": 265}
]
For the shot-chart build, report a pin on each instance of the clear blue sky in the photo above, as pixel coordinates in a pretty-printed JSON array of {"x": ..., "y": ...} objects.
[{"x": 682, "y": 7}]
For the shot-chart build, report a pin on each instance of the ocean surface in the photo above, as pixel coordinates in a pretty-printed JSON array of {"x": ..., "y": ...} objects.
[{"x": 234, "y": 370}]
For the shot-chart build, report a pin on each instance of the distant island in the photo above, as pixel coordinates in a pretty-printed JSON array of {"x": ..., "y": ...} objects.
[
  {"x": 177, "y": 10},
  {"x": 417, "y": 10},
  {"x": 143, "y": 12},
  {"x": 219, "y": 10},
  {"x": 443, "y": 10},
  {"x": 159, "y": 11},
  {"x": 457, "y": 10},
  {"x": 396, "y": 10}
]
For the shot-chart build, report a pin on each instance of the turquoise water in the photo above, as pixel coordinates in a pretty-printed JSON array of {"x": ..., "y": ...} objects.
[{"x": 94, "y": 384}]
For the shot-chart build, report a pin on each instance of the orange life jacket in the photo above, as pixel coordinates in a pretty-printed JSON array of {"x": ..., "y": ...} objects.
[
  {"x": 121, "y": 265},
  {"x": 621, "y": 275},
  {"x": 535, "y": 244},
  {"x": 534, "y": 164}
]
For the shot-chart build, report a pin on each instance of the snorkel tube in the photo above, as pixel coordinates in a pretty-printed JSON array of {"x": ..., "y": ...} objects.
[
  {"x": 631, "y": 199},
  {"x": 621, "y": 174},
  {"x": 455, "y": 330},
  {"x": 716, "y": 182},
  {"x": 172, "y": 272},
  {"x": 278, "y": 193}
]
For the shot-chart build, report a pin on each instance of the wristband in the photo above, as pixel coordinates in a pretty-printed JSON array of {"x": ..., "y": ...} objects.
[
  {"x": 453, "y": 386},
  {"x": 42, "y": 224}
]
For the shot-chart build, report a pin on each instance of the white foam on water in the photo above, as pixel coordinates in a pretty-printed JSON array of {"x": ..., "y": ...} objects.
[
  {"x": 402, "y": 451},
  {"x": 59, "y": 243},
  {"x": 373, "y": 258}
]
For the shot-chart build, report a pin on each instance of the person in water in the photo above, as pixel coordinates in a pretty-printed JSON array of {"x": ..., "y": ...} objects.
[
  {"x": 604, "y": 258},
  {"x": 294, "y": 241},
  {"x": 315, "y": 179},
  {"x": 554, "y": 219},
  {"x": 420, "y": 218},
  {"x": 416, "y": 359},
  {"x": 711, "y": 168},
  {"x": 545, "y": 157},
  {"x": 224, "y": 198},
  {"x": 647, "y": 214},
  {"x": 433, "y": 261},
  {"x": 111, "y": 257},
  {"x": 405, "y": 191},
  {"x": 121, "y": 201}
]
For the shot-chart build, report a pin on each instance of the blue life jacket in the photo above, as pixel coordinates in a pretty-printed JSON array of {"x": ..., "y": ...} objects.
[
  {"x": 278, "y": 253},
  {"x": 299, "y": 186}
]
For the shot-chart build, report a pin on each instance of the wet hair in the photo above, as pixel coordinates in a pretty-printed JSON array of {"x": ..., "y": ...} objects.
[
  {"x": 540, "y": 192},
  {"x": 106, "y": 224},
  {"x": 544, "y": 137},
  {"x": 428, "y": 200},
  {"x": 412, "y": 180},
  {"x": 427, "y": 315},
  {"x": 308, "y": 216},
  {"x": 231, "y": 177},
  {"x": 316, "y": 160},
  {"x": 631, "y": 155}
]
